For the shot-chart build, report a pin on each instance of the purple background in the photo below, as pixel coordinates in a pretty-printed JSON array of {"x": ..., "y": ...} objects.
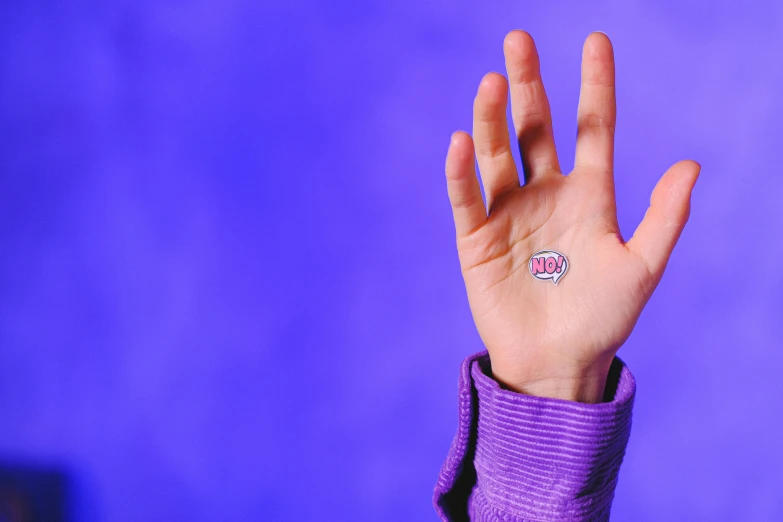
[{"x": 229, "y": 288}]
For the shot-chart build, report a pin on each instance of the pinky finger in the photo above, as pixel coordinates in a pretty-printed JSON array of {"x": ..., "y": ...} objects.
[{"x": 463, "y": 186}]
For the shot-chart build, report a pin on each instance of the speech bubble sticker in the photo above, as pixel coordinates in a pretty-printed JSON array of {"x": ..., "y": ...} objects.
[{"x": 548, "y": 265}]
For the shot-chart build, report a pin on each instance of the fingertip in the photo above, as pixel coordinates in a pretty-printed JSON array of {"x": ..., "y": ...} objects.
[
  {"x": 691, "y": 170},
  {"x": 461, "y": 141},
  {"x": 516, "y": 39},
  {"x": 492, "y": 84},
  {"x": 597, "y": 45},
  {"x": 695, "y": 166},
  {"x": 673, "y": 191},
  {"x": 598, "y": 38}
]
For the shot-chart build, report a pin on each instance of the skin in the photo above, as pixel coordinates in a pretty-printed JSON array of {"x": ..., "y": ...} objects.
[{"x": 547, "y": 340}]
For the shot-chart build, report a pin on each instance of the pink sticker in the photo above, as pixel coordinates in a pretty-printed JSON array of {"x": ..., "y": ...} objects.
[{"x": 548, "y": 265}]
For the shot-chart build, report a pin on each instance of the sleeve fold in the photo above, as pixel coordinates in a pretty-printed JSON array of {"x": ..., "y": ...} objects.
[{"x": 517, "y": 457}]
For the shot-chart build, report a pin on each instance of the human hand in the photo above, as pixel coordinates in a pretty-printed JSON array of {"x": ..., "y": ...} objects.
[{"x": 547, "y": 340}]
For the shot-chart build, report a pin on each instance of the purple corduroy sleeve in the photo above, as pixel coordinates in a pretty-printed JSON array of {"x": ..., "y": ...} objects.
[{"x": 520, "y": 458}]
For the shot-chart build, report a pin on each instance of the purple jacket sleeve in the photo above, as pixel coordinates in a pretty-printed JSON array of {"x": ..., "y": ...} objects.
[{"x": 520, "y": 458}]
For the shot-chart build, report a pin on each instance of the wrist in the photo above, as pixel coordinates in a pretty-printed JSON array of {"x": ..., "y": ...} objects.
[{"x": 585, "y": 384}]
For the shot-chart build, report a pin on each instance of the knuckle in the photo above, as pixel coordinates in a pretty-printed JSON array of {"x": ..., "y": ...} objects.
[{"x": 595, "y": 121}]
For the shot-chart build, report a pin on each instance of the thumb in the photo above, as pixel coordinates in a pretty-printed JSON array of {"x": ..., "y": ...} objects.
[{"x": 670, "y": 206}]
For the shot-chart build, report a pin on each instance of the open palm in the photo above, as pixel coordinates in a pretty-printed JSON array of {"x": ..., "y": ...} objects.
[{"x": 555, "y": 341}]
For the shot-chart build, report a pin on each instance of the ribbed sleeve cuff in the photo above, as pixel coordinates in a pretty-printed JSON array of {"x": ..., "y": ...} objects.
[{"x": 520, "y": 458}]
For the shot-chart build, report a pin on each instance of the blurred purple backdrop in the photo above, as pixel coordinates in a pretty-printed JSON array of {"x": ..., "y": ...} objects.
[{"x": 229, "y": 288}]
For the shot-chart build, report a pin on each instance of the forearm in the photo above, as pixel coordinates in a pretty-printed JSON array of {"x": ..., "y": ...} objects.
[{"x": 518, "y": 457}]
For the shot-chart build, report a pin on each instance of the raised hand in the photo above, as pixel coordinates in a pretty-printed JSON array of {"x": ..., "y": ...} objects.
[{"x": 545, "y": 339}]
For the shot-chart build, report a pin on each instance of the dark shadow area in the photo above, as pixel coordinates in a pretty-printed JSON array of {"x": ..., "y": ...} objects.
[
  {"x": 613, "y": 379},
  {"x": 32, "y": 493}
]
